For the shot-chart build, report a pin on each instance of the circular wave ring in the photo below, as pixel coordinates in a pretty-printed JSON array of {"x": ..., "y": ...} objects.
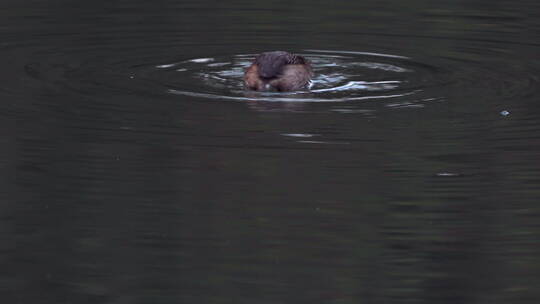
[{"x": 340, "y": 76}]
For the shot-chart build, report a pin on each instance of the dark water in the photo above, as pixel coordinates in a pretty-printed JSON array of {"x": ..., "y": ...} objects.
[{"x": 137, "y": 169}]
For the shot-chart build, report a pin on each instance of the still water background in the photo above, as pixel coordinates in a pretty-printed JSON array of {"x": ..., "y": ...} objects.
[{"x": 132, "y": 175}]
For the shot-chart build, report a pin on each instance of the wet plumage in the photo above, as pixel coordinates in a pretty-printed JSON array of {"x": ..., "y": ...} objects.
[{"x": 278, "y": 71}]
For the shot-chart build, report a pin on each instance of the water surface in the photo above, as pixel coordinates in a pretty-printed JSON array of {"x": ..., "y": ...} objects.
[{"x": 138, "y": 170}]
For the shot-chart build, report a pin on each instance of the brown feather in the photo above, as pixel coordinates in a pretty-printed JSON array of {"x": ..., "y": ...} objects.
[{"x": 278, "y": 70}]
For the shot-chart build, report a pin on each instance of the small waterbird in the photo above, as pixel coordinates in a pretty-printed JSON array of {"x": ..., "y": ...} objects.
[{"x": 278, "y": 71}]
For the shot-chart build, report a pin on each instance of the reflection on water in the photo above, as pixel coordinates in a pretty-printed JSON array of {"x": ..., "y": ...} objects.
[{"x": 138, "y": 170}]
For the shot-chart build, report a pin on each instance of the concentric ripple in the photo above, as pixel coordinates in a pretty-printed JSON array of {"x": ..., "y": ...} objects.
[
  {"x": 347, "y": 76},
  {"x": 339, "y": 77}
]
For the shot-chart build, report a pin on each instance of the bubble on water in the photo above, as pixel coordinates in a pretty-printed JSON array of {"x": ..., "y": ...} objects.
[{"x": 505, "y": 113}]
